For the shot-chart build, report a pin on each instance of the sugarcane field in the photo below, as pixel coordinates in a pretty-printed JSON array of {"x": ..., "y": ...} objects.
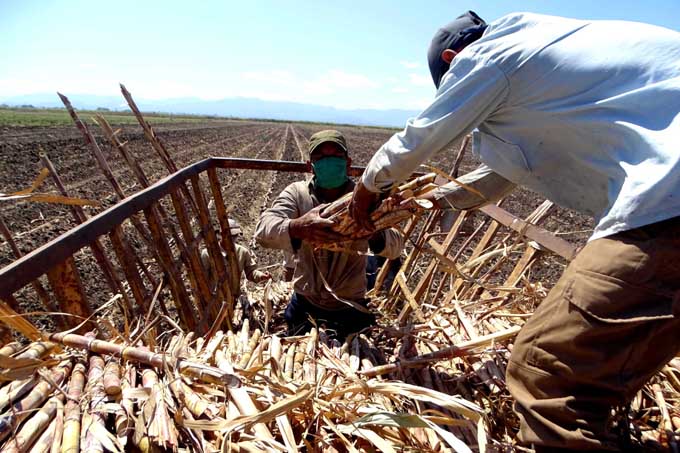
[{"x": 113, "y": 339}]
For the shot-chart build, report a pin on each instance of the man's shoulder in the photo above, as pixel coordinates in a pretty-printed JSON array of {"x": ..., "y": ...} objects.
[
  {"x": 297, "y": 188},
  {"x": 242, "y": 250}
]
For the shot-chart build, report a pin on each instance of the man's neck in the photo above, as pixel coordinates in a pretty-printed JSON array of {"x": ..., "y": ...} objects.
[{"x": 330, "y": 195}]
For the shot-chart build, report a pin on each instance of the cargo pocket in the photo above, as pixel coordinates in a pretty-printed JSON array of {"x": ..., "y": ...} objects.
[{"x": 612, "y": 300}]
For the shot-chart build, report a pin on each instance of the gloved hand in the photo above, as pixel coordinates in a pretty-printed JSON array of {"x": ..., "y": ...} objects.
[{"x": 313, "y": 227}]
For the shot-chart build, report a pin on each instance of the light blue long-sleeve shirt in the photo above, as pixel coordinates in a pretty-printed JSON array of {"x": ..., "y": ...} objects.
[{"x": 585, "y": 113}]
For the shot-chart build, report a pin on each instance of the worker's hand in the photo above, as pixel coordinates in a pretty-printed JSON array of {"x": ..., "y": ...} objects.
[
  {"x": 313, "y": 227},
  {"x": 362, "y": 205},
  {"x": 261, "y": 276}
]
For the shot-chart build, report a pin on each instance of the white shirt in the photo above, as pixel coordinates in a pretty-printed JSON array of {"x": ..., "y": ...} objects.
[{"x": 585, "y": 113}]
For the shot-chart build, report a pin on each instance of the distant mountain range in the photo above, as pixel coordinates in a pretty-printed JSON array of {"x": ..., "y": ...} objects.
[{"x": 230, "y": 107}]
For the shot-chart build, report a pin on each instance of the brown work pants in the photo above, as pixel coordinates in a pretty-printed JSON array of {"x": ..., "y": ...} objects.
[{"x": 609, "y": 324}]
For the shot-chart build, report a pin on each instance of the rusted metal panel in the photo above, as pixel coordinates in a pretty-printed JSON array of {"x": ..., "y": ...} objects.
[
  {"x": 225, "y": 231},
  {"x": 217, "y": 258},
  {"x": 97, "y": 250},
  {"x": 68, "y": 289},
  {"x": 182, "y": 300},
  {"x": 36, "y": 263},
  {"x": 197, "y": 276},
  {"x": 47, "y": 301},
  {"x": 126, "y": 259}
]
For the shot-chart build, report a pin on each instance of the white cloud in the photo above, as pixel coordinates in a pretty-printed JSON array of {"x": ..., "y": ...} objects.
[
  {"x": 289, "y": 86},
  {"x": 45, "y": 84},
  {"x": 409, "y": 64},
  {"x": 345, "y": 80},
  {"x": 276, "y": 77},
  {"x": 420, "y": 80},
  {"x": 333, "y": 87},
  {"x": 331, "y": 80}
]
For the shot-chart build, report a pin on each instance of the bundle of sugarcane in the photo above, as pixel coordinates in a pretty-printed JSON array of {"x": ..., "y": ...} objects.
[
  {"x": 240, "y": 391},
  {"x": 402, "y": 203}
]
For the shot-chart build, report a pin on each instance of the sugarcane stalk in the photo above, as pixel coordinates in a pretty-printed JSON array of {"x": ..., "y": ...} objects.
[
  {"x": 34, "y": 426},
  {"x": 197, "y": 370},
  {"x": 248, "y": 350},
  {"x": 162, "y": 430},
  {"x": 71, "y": 436},
  {"x": 112, "y": 384},
  {"x": 243, "y": 337},
  {"x": 231, "y": 345},
  {"x": 95, "y": 389},
  {"x": 299, "y": 358},
  {"x": 676, "y": 422},
  {"x": 15, "y": 390},
  {"x": 256, "y": 358},
  {"x": 154, "y": 414},
  {"x": 21, "y": 410},
  {"x": 10, "y": 348},
  {"x": 420, "y": 181},
  {"x": 210, "y": 348},
  {"x": 241, "y": 398},
  {"x": 125, "y": 416},
  {"x": 140, "y": 437},
  {"x": 58, "y": 429},
  {"x": 367, "y": 359},
  {"x": 48, "y": 439},
  {"x": 275, "y": 351},
  {"x": 290, "y": 361},
  {"x": 37, "y": 350},
  {"x": 185, "y": 394},
  {"x": 309, "y": 361}
]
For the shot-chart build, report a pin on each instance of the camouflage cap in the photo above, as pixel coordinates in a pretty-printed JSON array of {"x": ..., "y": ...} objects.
[{"x": 329, "y": 135}]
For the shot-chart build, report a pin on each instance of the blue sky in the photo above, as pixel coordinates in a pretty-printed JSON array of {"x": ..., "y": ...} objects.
[{"x": 349, "y": 54}]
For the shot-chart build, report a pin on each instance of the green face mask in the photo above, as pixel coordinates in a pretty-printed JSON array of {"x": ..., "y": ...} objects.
[{"x": 330, "y": 172}]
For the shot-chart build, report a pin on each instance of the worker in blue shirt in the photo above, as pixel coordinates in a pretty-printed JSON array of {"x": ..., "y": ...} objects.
[{"x": 585, "y": 113}]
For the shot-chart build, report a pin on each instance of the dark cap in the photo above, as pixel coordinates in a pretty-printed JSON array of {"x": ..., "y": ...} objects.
[
  {"x": 456, "y": 35},
  {"x": 329, "y": 135}
]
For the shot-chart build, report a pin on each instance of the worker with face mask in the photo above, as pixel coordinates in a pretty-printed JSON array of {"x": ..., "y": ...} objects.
[{"x": 329, "y": 286}]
